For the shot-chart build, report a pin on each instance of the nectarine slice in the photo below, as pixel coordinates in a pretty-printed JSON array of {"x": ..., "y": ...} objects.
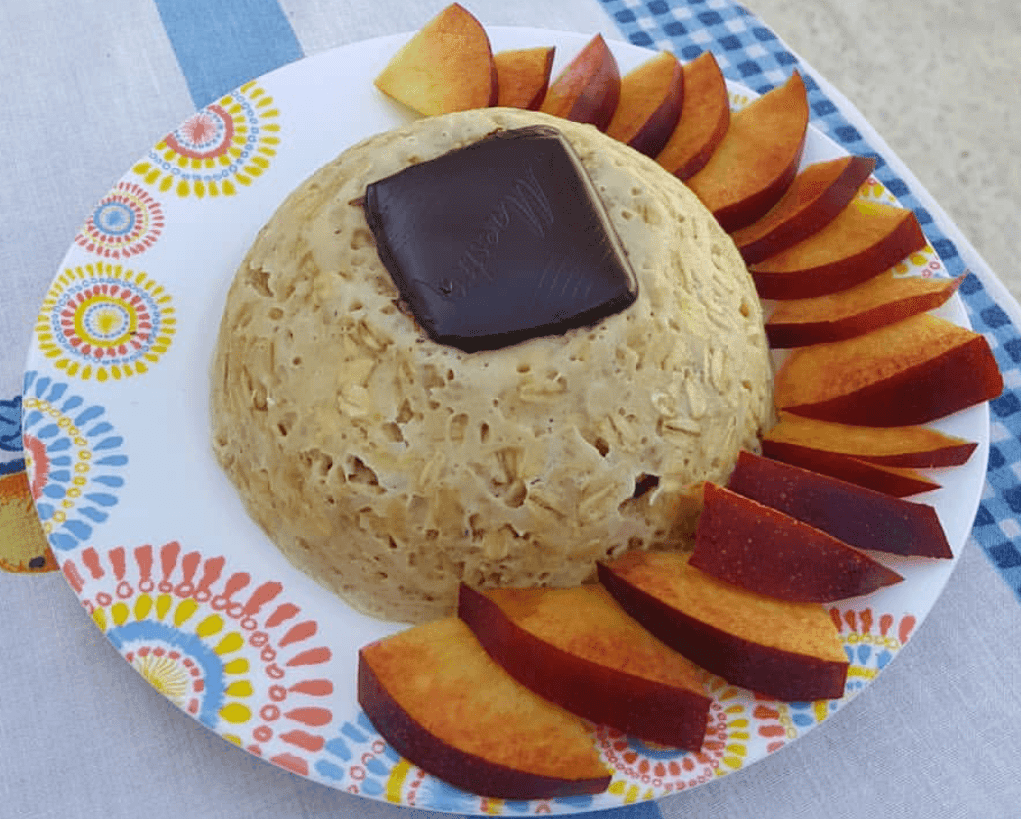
[
  {"x": 577, "y": 648},
  {"x": 588, "y": 89},
  {"x": 865, "y": 239},
  {"x": 817, "y": 194},
  {"x": 911, "y": 372},
  {"x": 757, "y": 159},
  {"x": 910, "y": 446},
  {"x": 881, "y": 300},
  {"x": 858, "y": 516},
  {"x": 705, "y": 117},
  {"x": 789, "y": 651},
  {"x": 649, "y": 105},
  {"x": 523, "y": 76},
  {"x": 896, "y": 481},
  {"x": 446, "y": 66},
  {"x": 763, "y": 550},
  {"x": 439, "y": 699}
]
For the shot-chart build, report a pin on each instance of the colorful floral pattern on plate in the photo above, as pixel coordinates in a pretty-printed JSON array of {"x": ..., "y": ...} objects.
[
  {"x": 74, "y": 458},
  {"x": 126, "y": 222},
  {"x": 218, "y": 150},
  {"x": 102, "y": 321},
  {"x": 233, "y": 652}
]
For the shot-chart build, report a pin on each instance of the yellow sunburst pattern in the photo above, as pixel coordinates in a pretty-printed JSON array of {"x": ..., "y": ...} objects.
[
  {"x": 219, "y": 150},
  {"x": 103, "y": 321}
]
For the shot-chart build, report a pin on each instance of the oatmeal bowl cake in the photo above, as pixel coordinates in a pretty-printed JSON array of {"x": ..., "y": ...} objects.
[{"x": 391, "y": 445}]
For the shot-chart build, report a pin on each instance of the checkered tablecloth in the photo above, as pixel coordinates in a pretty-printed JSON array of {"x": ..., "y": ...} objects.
[{"x": 80, "y": 737}]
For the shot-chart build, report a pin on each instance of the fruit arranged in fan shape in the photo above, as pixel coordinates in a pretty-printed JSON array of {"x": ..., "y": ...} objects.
[
  {"x": 817, "y": 195},
  {"x": 650, "y": 103},
  {"x": 910, "y": 446},
  {"x": 860, "y": 517},
  {"x": 882, "y": 458},
  {"x": 758, "y": 158},
  {"x": 588, "y": 89},
  {"x": 865, "y": 239},
  {"x": 897, "y": 482},
  {"x": 911, "y": 372},
  {"x": 785, "y": 650},
  {"x": 704, "y": 120},
  {"x": 882, "y": 300},
  {"x": 870, "y": 366}
]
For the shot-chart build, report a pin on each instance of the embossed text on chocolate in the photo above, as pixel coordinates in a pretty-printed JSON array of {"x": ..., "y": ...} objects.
[{"x": 528, "y": 201}]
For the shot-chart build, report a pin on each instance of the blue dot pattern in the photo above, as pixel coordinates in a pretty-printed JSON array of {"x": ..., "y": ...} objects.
[{"x": 750, "y": 53}]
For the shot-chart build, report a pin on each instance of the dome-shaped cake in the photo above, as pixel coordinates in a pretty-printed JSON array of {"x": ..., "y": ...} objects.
[{"x": 389, "y": 467}]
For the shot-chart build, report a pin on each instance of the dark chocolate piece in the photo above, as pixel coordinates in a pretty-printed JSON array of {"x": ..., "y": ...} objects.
[{"x": 503, "y": 240}]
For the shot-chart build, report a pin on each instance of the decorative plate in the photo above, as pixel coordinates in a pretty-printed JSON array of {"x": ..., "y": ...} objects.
[{"x": 155, "y": 543}]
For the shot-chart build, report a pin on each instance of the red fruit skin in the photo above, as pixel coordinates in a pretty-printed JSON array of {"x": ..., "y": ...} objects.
[
  {"x": 641, "y": 707},
  {"x": 858, "y": 516},
  {"x": 849, "y": 468},
  {"x": 743, "y": 542}
]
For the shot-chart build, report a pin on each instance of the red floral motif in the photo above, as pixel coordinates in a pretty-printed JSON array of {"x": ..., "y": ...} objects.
[
  {"x": 204, "y": 135},
  {"x": 126, "y": 222},
  {"x": 860, "y": 623},
  {"x": 870, "y": 643},
  {"x": 773, "y": 726},
  {"x": 268, "y": 668}
]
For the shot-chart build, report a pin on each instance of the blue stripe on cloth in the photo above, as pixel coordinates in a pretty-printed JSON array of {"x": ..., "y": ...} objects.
[
  {"x": 220, "y": 46},
  {"x": 750, "y": 53}
]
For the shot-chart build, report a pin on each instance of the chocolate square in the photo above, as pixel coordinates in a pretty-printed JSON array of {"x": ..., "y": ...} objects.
[{"x": 501, "y": 241}]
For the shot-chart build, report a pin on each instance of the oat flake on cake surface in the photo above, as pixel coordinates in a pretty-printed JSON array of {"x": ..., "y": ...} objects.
[{"x": 389, "y": 467}]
